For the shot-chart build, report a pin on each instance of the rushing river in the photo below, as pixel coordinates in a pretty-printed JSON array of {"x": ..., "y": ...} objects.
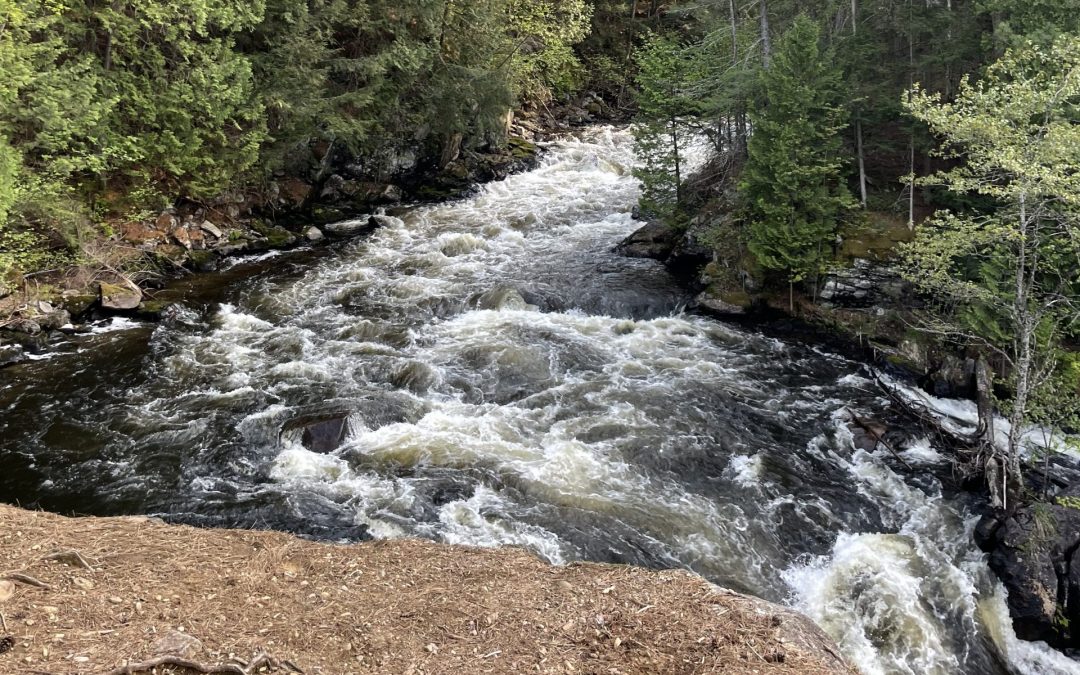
[{"x": 509, "y": 380}]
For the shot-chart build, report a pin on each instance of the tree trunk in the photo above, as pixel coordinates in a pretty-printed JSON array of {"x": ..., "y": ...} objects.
[
  {"x": 766, "y": 41},
  {"x": 858, "y": 122},
  {"x": 678, "y": 161},
  {"x": 1024, "y": 347}
]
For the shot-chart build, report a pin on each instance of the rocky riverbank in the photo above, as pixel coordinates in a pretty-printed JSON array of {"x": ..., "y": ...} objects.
[
  {"x": 99, "y": 594},
  {"x": 329, "y": 199}
]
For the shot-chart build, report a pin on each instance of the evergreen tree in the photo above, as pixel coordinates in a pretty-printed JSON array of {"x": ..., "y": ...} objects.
[
  {"x": 792, "y": 186},
  {"x": 666, "y": 110}
]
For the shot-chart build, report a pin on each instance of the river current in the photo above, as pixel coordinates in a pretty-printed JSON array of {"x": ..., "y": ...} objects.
[{"x": 509, "y": 380}]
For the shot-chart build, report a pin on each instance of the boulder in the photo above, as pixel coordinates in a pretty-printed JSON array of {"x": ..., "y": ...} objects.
[
  {"x": 718, "y": 305},
  {"x": 203, "y": 261},
  {"x": 338, "y": 189},
  {"x": 1035, "y": 551},
  {"x": 11, "y": 354},
  {"x": 314, "y": 234},
  {"x": 190, "y": 237},
  {"x": 23, "y": 325},
  {"x": 654, "y": 240},
  {"x": 690, "y": 252},
  {"x": 211, "y": 229},
  {"x": 379, "y": 220},
  {"x": 321, "y": 433},
  {"x": 77, "y": 303},
  {"x": 120, "y": 298},
  {"x": 294, "y": 192},
  {"x": 350, "y": 228},
  {"x": 53, "y": 319},
  {"x": 866, "y": 283}
]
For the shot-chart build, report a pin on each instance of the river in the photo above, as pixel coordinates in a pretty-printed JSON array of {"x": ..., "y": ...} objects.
[{"x": 509, "y": 380}]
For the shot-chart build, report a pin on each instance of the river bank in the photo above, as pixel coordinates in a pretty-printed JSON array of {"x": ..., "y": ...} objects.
[{"x": 139, "y": 590}]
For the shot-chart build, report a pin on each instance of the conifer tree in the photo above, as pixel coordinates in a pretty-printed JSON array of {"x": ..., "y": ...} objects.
[
  {"x": 792, "y": 185},
  {"x": 665, "y": 110}
]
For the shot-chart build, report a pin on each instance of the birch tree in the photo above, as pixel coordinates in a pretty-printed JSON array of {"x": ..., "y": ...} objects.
[{"x": 1007, "y": 276}]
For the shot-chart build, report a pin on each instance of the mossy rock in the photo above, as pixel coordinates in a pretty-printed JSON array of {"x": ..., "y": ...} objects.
[
  {"x": 279, "y": 237},
  {"x": 203, "y": 261},
  {"x": 521, "y": 148},
  {"x": 152, "y": 310},
  {"x": 77, "y": 304},
  {"x": 327, "y": 214}
]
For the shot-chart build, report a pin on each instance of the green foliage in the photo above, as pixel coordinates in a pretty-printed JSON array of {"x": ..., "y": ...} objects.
[
  {"x": 116, "y": 104},
  {"x": 792, "y": 186},
  {"x": 545, "y": 32},
  {"x": 1009, "y": 277},
  {"x": 665, "y": 111}
]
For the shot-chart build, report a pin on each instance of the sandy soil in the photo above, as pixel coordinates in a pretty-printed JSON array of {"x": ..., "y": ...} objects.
[{"x": 157, "y": 591}]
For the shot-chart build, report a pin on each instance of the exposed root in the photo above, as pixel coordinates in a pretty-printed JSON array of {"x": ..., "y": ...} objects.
[
  {"x": 72, "y": 557},
  {"x": 27, "y": 579}
]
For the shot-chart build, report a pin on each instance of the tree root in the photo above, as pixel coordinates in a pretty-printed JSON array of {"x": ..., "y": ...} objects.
[
  {"x": 260, "y": 661},
  {"x": 72, "y": 557},
  {"x": 26, "y": 579}
]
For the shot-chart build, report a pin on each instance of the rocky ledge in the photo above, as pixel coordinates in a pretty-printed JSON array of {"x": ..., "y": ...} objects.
[
  {"x": 1035, "y": 551},
  {"x": 96, "y": 595}
]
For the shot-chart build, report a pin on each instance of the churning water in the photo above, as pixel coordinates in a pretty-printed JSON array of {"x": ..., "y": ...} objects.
[{"x": 508, "y": 380}]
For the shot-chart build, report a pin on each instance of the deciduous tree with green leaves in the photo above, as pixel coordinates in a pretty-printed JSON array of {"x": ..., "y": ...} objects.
[
  {"x": 793, "y": 186},
  {"x": 1007, "y": 276}
]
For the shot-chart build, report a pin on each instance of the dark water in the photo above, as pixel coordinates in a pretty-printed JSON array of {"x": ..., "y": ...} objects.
[{"x": 509, "y": 380}]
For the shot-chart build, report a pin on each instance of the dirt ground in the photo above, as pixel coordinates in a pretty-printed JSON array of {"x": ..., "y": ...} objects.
[{"x": 94, "y": 595}]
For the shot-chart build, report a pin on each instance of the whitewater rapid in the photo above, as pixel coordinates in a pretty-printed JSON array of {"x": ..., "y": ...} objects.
[{"x": 509, "y": 380}]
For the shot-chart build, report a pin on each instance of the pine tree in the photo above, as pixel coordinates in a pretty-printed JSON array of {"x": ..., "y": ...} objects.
[
  {"x": 792, "y": 185},
  {"x": 665, "y": 111}
]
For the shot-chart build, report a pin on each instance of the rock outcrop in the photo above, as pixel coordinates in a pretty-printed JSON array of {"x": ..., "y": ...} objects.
[{"x": 1035, "y": 551}]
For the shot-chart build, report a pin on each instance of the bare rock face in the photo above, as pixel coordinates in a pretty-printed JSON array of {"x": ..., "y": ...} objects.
[
  {"x": 120, "y": 298},
  {"x": 653, "y": 240},
  {"x": 1035, "y": 551}
]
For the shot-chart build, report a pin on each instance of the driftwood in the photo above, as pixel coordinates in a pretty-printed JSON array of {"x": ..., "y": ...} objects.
[
  {"x": 261, "y": 661},
  {"x": 878, "y": 436}
]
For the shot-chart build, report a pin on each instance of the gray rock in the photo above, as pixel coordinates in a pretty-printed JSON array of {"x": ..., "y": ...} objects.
[
  {"x": 11, "y": 354},
  {"x": 54, "y": 320},
  {"x": 211, "y": 229},
  {"x": 28, "y": 326},
  {"x": 118, "y": 297},
  {"x": 314, "y": 234},
  {"x": 380, "y": 220},
  {"x": 716, "y": 305},
  {"x": 1036, "y": 554},
  {"x": 654, "y": 240},
  {"x": 321, "y": 433},
  {"x": 175, "y": 643},
  {"x": 349, "y": 228}
]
